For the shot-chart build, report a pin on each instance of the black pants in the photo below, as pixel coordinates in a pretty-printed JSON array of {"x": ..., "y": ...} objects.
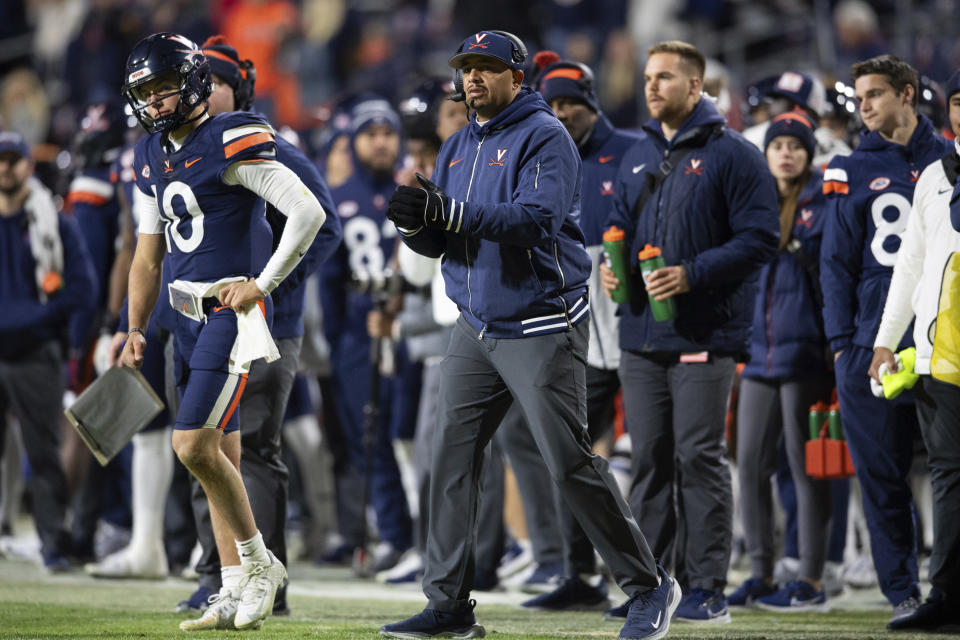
[
  {"x": 32, "y": 388},
  {"x": 938, "y": 410}
]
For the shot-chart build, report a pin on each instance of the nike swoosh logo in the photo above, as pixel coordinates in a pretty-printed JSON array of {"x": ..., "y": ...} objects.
[
  {"x": 453, "y": 162},
  {"x": 656, "y": 623},
  {"x": 190, "y": 163},
  {"x": 639, "y": 168},
  {"x": 943, "y": 191},
  {"x": 605, "y": 159},
  {"x": 216, "y": 309}
]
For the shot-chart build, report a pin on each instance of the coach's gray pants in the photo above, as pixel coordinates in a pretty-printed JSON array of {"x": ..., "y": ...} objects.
[
  {"x": 546, "y": 377},
  {"x": 676, "y": 417},
  {"x": 260, "y": 412},
  {"x": 766, "y": 409}
]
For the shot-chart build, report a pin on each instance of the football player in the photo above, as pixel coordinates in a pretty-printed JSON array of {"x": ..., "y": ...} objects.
[
  {"x": 200, "y": 180},
  {"x": 871, "y": 192}
]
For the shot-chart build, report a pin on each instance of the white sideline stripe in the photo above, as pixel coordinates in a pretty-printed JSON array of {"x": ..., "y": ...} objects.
[
  {"x": 545, "y": 327},
  {"x": 237, "y": 132},
  {"x": 542, "y": 318},
  {"x": 579, "y": 302},
  {"x": 577, "y": 317}
]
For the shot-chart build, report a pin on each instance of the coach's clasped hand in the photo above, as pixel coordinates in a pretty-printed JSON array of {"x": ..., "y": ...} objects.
[{"x": 413, "y": 208}]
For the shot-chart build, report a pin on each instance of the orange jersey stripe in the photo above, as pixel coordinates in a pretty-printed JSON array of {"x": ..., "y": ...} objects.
[
  {"x": 94, "y": 199},
  {"x": 236, "y": 400},
  {"x": 835, "y": 187},
  {"x": 237, "y": 146}
]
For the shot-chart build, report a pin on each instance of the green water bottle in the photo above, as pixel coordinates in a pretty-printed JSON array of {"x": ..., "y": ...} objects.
[
  {"x": 651, "y": 260},
  {"x": 835, "y": 428},
  {"x": 615, "y": 257},
  {"x": 818, "y": 415}
]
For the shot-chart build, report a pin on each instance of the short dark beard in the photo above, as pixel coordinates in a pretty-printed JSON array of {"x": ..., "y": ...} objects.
[{"x": 13, "y": 191}]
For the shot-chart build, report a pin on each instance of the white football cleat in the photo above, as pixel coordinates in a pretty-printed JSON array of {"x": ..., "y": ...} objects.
[
  {"x": 220, "y": 613},
  {"x": 258, "y": 587}
]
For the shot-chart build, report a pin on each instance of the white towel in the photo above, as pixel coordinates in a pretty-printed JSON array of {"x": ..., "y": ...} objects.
[
  {"x": 43, "y": 229},
  {"x": 253, "y": 336}
]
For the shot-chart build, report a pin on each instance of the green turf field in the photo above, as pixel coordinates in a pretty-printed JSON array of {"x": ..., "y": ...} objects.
[{"x": 329, "y": 603}]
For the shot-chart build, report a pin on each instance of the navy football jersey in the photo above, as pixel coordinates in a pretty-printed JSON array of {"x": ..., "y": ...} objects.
[
  {"x": 212, "y": 230},
  {"x": 368, "y": 243},
  {"x": 92, "y": 200},
  {"x": 871, "y": 192}
]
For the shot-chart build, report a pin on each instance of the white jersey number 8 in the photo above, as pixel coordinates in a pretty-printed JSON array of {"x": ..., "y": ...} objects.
[{"x": 887, "y": 228}]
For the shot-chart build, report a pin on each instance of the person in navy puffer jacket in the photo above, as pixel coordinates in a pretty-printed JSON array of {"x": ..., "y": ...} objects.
[
  {"x": 787, "y": 372},
  {"x": 714, "y": 216},
  {"x": 505, "y": 218}
]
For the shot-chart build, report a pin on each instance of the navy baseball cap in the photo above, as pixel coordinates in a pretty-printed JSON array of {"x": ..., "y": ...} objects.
[
  {"x": 13, "y": 141},
  {"x": 802, "y": 89},
  {"x": 491, "y": 45}
]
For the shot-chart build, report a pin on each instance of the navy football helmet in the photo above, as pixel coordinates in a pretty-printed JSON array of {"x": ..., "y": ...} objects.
[
  {"x": 419, "y": 111},
  {"x": 173, "y": 55}
]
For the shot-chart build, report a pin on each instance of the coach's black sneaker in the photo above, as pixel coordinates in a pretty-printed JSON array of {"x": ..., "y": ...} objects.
[
  {"x": 904, "y": 613},
  {"x": 431, "y": 623},
  {"x": 934, "y": 613},
  {"x": 618, "y": 613},
  {"x": 197, "y": 602},
  {"x": 650, "y": 611},
  {"x": 573, "y": 594}
]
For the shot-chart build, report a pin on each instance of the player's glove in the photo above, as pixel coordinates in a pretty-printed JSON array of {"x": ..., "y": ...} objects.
[{"x": 413, "y": 208}]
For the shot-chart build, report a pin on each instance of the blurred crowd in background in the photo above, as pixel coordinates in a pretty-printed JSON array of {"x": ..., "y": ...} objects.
[{"x": 58, "y": 55}]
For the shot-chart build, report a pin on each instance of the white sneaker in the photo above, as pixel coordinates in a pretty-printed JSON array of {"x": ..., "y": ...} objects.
[
  {"x": 127, "y": 564},
  {"x": 860, "y": 573},
  {"x": 258, "y": 587},
  {"x": 786, "y": 570},
  {"x": 220, "y": 614},
  {"x": 832, "y": 579},
  {"x": 410, "y": 562},
  {"x": 519, "y": 562}
]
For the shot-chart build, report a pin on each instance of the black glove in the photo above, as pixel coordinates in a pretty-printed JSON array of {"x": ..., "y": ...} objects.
[{"x": 412, "y": 208}]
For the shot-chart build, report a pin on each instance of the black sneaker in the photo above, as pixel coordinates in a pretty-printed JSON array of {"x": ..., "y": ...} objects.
[
  {"x": 573, "y": 594},
  {"x": 618, "y": 613},
  {"x": 702, "y": 606},
  {"x": 904, "y": 613},
  {"x": 197, "y": 602},
  {"x": 650, "y": 611},
  {"x": 934, "y": 612},
  {"x": 431, "y": 623}
]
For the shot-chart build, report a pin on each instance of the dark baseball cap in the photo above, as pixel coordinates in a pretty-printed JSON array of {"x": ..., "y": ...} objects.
[
  {"x": 491, "y": 45},
  {"x": 13, "y": 141}
]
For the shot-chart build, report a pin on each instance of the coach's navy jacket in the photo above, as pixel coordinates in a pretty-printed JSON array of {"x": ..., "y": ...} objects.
[
  {"x": 517, "y": 267},
  {"x": 788, "y": 339},
  {"x": 717, "y": 215}
]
